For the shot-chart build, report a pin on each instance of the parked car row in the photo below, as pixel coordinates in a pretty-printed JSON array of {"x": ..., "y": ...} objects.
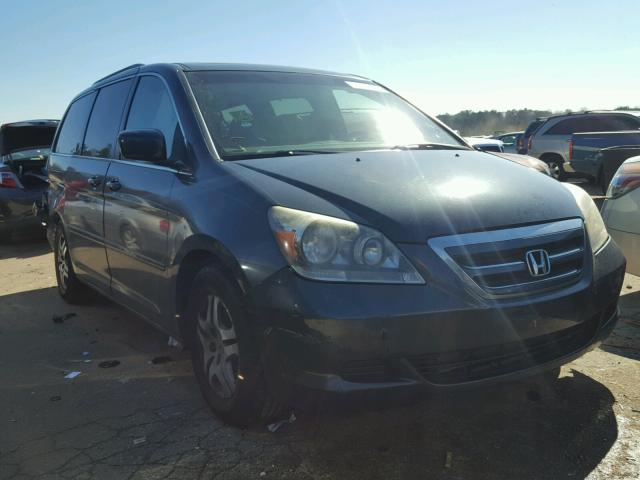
[
  {"x": 312, "y": 236},
  {"x": 570, "y": 143}
]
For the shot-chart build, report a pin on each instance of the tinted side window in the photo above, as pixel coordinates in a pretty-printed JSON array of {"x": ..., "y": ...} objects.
[
  {"x": 152, "y": 108},
  {"x": 564, "y": 127},
  {"x": 616, "y": 123},
  {"x": 73, "y": 125},
  {"x": 590, "y": 124},
  {"x": 105, "y": 120},
  {"x": 533, "y": 126}
]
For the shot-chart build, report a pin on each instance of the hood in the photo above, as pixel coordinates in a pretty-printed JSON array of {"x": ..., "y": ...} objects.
[{"x": 413, "y": 195}]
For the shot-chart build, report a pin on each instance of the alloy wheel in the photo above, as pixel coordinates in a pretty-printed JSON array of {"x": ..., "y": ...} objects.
[
  {"x": 554, "y": 167},
  {"x": 219, "y": 346}
]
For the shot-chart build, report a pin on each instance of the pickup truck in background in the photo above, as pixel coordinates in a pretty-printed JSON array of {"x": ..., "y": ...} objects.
[{"x": 597, "y": 155}]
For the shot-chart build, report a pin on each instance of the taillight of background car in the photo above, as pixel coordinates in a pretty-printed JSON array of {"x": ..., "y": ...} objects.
[
  {"x": 9, "y": 180},
  {"x": 530, "y": 143},
  {"x": 570, "y": 149},
  {"x": 627, "y": 178}
]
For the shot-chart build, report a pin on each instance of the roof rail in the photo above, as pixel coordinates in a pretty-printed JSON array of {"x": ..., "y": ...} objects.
[{"x": 135, "y": 65}]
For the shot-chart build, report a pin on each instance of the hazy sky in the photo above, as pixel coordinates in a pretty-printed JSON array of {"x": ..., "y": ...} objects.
[{"x": 445, "y": 56}]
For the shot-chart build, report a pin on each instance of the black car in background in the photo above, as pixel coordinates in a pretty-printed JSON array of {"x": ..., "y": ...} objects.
[
  {"x": 24, "y": 151},
  {"x": 311, "y": 235},
  {"x": 522, "y": 142}
]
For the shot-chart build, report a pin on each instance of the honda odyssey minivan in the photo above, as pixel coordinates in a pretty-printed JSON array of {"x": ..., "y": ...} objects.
[{"x": 312, "y": 235}]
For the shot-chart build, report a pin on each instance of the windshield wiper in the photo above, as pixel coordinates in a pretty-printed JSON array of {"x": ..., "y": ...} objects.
[
  {"x": 278, "y": 153},
  {"x": 429, "y": 146},
  {"x": 291, "y": 153}
]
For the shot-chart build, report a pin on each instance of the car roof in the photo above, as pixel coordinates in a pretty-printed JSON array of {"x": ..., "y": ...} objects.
[
  {"x": 199, "y": 67},
  {"x": 202, "y": 67},
  {"x": 596, "y": 112},
  {"x": 509, "y": 133}
]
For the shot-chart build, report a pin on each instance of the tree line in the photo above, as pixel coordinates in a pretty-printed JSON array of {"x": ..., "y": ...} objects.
[{"x": 492, "y": 122}]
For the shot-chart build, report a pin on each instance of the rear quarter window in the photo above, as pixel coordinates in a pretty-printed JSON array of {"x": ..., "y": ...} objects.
[
  {"x": 615, "y": 123},
  {"x": 73, "y": 126}
]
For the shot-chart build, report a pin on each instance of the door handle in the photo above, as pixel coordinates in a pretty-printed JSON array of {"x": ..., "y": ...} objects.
[
  {"x": 94, "y": 181},
  {"x": 114, "y": 184}
]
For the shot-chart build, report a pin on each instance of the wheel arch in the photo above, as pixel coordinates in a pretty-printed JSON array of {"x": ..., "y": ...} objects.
[
  {"x": 196, "y": 252},
  {"x": 551, "y": 156}
]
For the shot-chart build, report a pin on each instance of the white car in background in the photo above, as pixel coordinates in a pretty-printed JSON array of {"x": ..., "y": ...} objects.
[
  {"x": 621, "y": 212},
  {"x": 486, "y": 144}
]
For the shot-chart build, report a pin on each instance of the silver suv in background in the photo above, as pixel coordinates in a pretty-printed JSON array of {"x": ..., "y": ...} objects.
[{"x": 550, "y": 142}]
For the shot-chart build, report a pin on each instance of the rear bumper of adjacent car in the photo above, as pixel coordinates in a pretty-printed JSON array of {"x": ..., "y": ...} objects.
[
  {"x": 16, "y": 213},
  {"x": 331, "y": 341}
]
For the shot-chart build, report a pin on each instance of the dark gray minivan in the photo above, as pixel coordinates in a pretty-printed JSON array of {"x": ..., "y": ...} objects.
[{"x": 311, "y": 235}]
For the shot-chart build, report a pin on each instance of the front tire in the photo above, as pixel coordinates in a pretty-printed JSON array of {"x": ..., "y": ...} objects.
[
  {"x": 225, "y": 355},
  {"x": 69, "y": 287}
]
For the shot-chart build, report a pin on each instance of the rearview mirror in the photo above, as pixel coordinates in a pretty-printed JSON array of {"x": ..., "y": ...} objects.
[{"x": 146, "y": 145}]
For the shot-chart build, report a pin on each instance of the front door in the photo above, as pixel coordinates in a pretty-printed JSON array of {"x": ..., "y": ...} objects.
[
  {"x": 136, "y": 228},
  {"x": 137, "y": 196}
]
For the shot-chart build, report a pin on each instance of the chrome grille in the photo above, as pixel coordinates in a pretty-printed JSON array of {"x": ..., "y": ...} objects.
[{"x": 493, "y": 264}]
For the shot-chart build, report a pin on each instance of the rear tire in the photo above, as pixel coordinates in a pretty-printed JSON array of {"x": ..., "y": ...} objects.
[
  {"x": 69, "y": 287},
  {"x": 225, "y": 354},
  {"x": 556, "y": 166}
]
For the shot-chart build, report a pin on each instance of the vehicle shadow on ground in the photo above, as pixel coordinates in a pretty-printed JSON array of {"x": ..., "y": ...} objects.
[
  {"x": 27, "y": 248},
  {"x": 524, "y": 430},
  {"x": 625, "y": 339}
]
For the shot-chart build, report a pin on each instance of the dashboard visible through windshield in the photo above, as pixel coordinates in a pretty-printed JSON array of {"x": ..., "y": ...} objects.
[{"x": 254, "y": 114}]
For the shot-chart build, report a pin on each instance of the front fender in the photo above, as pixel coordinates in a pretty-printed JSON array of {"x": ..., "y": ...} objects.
[{"x": 206, "y": 243}]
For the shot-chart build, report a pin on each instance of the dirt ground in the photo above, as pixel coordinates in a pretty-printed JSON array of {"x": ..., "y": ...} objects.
[{"x": 146, "y": 420}]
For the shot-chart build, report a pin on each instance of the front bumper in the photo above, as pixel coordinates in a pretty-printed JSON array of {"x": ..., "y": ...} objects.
[{"x": 337, "y": 340}]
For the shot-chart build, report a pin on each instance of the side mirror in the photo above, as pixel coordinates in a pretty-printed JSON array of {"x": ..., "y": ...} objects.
[{"x": 146, "y": 145}]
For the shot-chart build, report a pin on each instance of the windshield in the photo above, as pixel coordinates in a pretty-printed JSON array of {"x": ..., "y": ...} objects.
[{"x": 252, "y": 114}]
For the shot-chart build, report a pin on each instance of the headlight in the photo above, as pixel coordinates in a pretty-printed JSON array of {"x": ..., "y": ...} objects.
[
  {"x": 334, "y": 250},
  {"x": 592, "y": 219}
]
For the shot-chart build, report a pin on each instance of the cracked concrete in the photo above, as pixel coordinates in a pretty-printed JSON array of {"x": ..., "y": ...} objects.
[{"x": 586, "y": 424}]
